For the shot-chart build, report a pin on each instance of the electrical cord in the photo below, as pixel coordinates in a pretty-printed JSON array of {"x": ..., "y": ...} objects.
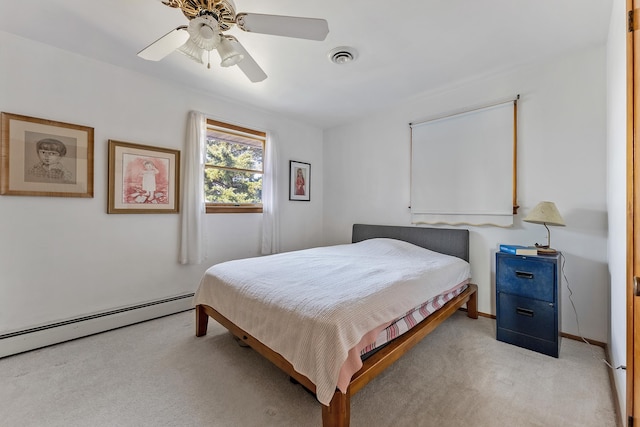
[{"x": 575, "y": 312}]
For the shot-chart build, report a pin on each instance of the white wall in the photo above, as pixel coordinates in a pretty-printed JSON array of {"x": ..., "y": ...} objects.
[
  {"x": 65, "y": 257},
  {"x": 617, "y": 193},
  {"x": 561, "y": 156}
]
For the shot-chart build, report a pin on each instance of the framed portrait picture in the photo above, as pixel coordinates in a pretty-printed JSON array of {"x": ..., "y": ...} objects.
[
  {"x": 299, "y": 181},
  {"x": 143, "y": 179},
  {"x": 40, "y": 157}
]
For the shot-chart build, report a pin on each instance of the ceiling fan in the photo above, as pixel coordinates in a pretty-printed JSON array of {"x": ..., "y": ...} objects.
[{"x": 209, "y": 19}]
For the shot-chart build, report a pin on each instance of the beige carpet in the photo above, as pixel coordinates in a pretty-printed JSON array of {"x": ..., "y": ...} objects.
[{"x": 158, "y": 373}]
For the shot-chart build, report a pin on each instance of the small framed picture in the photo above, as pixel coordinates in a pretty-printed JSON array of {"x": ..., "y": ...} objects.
[
  {"x": 40, "y": 157},
  {"x": 143, "y": 179},
  {"x": 299, "y": 181}
]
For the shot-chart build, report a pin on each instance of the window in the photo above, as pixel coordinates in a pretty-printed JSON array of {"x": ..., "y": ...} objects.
[{"x": 233, "y": 169}]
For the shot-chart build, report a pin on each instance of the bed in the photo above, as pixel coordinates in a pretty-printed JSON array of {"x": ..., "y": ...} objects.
[{"x": 333, "y": 323}]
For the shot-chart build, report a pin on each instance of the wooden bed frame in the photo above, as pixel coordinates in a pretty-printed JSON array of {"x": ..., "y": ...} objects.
[{"x": 337, "y": 414}]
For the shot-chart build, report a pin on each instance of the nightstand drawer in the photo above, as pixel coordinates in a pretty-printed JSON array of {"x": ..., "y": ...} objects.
[
  {"x": 527, "y": 316},
  {"x": 525, "y": 276}
]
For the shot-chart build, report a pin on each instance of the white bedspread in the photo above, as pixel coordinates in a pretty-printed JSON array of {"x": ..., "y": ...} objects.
[{"x": 312, "y": 306}]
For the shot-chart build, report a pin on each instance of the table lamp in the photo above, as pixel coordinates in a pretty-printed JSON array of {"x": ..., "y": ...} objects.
[{"x": 545, "y": 213}]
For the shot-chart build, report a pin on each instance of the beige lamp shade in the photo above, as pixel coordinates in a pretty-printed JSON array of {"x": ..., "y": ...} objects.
[{"x": 545, "y": 213}]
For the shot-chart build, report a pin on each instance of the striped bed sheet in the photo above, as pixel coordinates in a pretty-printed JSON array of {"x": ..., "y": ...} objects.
[{"x": 411, "y": 319}]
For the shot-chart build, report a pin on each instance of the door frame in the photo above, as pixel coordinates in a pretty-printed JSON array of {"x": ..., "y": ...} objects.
[{"x": 632, "y": 404}]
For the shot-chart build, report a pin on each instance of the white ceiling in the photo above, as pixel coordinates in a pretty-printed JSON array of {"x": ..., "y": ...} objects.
[{"x": 404, "y": 47}]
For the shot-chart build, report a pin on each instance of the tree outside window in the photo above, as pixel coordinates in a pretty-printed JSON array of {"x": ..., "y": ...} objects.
[{"x": 233, "y": 168}]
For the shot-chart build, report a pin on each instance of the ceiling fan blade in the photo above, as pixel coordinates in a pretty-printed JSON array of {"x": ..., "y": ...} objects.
[
  {"x": 165, "y": 44},
  {"x": 287, "y": 26},
  {"x": 248, "y": 65}
]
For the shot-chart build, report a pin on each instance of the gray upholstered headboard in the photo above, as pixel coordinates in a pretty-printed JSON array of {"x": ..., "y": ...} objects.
[{"x": 444, "y": 240}]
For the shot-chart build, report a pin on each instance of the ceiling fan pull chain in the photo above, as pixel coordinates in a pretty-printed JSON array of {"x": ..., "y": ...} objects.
[{"x": 208, "y": 60}]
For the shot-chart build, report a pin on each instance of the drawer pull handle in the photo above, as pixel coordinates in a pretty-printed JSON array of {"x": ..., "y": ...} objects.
[
  {"x": 524, "y": 275},
  {"x": 524, "y": 312}
]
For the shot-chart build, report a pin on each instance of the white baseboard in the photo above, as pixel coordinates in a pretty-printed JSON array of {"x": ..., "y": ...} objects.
[{"x": 42, "y": 336}]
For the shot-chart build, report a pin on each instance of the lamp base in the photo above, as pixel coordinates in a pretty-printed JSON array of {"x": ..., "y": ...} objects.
[{"x": 545, "y": 250}]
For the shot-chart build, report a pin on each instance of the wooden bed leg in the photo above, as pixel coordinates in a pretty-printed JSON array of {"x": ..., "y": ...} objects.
[
  {"x": 472, "y": 306},
  {"x": 202, "y": 321},
  {"x": 337, "y": 414}
]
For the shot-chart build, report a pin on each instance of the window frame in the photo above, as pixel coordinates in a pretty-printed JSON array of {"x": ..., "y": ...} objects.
[{"x": 248, "y": 133}]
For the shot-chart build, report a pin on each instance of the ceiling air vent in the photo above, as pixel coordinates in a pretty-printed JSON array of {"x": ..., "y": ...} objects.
[{"x": 342, "y": 55}]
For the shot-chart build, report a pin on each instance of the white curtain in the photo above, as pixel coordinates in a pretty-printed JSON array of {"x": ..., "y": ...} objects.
[
  {"x": 270, "y": 217},
  {"x": 192, "y": 248}
]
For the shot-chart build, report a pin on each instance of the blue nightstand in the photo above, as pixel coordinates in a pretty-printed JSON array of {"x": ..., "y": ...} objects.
[{"x": 527, "y": 301}]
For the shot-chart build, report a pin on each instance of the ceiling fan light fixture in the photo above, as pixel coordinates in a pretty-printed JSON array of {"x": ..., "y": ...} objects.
[
  {"x": 204, "y": 33},
  {"x": 191, "y": 50},
  {"x": 229, "y": 55},
  {"x": 342, "y": 55}
]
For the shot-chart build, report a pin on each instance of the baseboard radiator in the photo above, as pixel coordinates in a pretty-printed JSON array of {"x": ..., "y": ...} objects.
[{"x": 54, "y": 333}]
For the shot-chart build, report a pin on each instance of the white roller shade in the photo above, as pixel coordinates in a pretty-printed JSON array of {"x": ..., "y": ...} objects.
[{"x": 462, "y": 168}]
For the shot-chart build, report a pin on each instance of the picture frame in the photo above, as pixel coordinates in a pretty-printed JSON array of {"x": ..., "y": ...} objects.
[
  {"x": 143, "y": 179},
  {"x": 41, "y": 157},
  {"x": 299, "y": 181}
]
